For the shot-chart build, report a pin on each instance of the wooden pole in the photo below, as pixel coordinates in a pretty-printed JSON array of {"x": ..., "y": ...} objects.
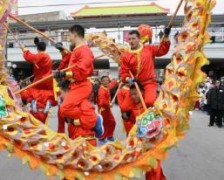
[
  {"x": 175, "y": 13},
  {"x": 139, "y": 92},
  {"x": 47, "y": 77},
  {"x": 113, "y": 100},
  {"x": 14, "y": 37},
  {"x": 172, "y": 18},
  {"x": 30, "y": 27},
  {"x": 100, "y": 56}
]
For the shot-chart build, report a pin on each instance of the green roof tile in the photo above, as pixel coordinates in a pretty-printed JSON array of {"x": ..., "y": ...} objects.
[{"x": 119, "y": 10}]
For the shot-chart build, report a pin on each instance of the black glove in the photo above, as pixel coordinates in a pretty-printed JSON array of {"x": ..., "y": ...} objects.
[
  {"x": 36, "y": 41},
  {"x": 59, "y": 46},
  {"x": 167, "y": 31},
  {"x": 64, "y": 84},
  {"x": 59, "y": 74}
]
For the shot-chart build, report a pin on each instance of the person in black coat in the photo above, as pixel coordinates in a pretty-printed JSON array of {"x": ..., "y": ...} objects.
[{"x": 216, "y": 104}]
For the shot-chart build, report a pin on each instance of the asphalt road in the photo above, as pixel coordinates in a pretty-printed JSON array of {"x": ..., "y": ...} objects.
[{"x": 200, "y": 156}]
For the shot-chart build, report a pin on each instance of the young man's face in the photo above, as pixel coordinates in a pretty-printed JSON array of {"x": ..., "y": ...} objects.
[
  {"x": 134, "y": 96},
  {"x": 72, "y": 38},
  {"x": 133, "y": 41},
  {"x": 105, "y": 81}
]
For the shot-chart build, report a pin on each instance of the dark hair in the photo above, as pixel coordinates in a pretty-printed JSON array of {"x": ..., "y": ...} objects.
[
  {"x": 139, "y": 85},
  {"x": 78, "y": 29},
  {"x": 135, "y": 32},
  {"x": 104, "y": 77},
  {"x": 41, "y": 46}
]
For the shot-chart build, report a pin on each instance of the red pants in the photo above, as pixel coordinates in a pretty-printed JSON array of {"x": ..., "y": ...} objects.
[
  {"x": 76, "y": 94},
  {"x": 155, "y": 174},
  {"x": 61, "y": 123},
  {"x": 73, "y": 131},
  {"x": 108, "y": 123},
  {"x": 128, "y": 126},
  {"x": 40, "y": 116},
  {"x": 72, "y": 107},
  {"x": 129, "y": 123},
  {"x": 149, "y": 97},
  {"x": 150, "y": 94},
  {"x": 41, "y": 96}
]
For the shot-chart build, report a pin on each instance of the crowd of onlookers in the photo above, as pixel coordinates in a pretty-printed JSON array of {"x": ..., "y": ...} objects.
[{"x": 211, "y": 100}]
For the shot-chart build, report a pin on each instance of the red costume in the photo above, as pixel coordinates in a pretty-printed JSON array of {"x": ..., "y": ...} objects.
[
  {"x": 43, "y": 92},
  {"x": 87, "y": 117},
  {"x": 65, "y": 60},
  {"x": 123, "y": 94},
  {"x": 141, "y": 64},
  {"x": 103, "y": 102},
  {"x": 79, "y": 91},
  {"x": 154, "y": 174},
  {"x": 113, "y": 84}
]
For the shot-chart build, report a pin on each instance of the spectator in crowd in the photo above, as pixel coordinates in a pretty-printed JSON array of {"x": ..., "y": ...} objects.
[
  {"x": 216, "y": 104},
  {"x": 203, "y": 91},
  {"x": 222, "y": 82},
  {"x": 176, "y": 37},
  {"x": 103, "y": 102},
  {"x": 161, "y": 34},
  {"x": 96, "y": 86}
]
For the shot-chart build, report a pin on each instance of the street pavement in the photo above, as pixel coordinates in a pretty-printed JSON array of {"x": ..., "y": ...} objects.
[{"x": 199, "y": 156}]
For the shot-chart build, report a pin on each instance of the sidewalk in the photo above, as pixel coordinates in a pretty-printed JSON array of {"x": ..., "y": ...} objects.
[{"x": 200, "y": 155}]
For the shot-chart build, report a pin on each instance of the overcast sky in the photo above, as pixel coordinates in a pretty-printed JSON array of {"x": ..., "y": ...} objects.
[{"x": 170, "y": 4}]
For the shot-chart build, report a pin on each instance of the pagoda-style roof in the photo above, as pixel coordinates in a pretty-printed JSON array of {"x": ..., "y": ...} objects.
[{"x": 151, "y": 9}]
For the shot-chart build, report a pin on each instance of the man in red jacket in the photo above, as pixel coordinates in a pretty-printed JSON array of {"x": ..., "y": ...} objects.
[
  {"x": 40, "y": 96},
  {"x": 140, "y": 62},
  {"x": 76, "y": 98},
  {"x": 137, "y": 109},
  {"x": 127, "y": 115},
  {"x": 103, "y": 103}
]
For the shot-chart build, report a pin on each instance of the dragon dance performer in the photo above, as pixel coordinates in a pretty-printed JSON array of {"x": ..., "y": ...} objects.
[
  {"x": 103, "y": 102},
  {"x": 139, "y": 60},
  {"x": 136, "y": 110},
  {"x": 76, "y": 107},
  {"x": 84, "y": 114},
  {"x": 40, "y": 96},
  {"x": 127, "y": 116}
]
